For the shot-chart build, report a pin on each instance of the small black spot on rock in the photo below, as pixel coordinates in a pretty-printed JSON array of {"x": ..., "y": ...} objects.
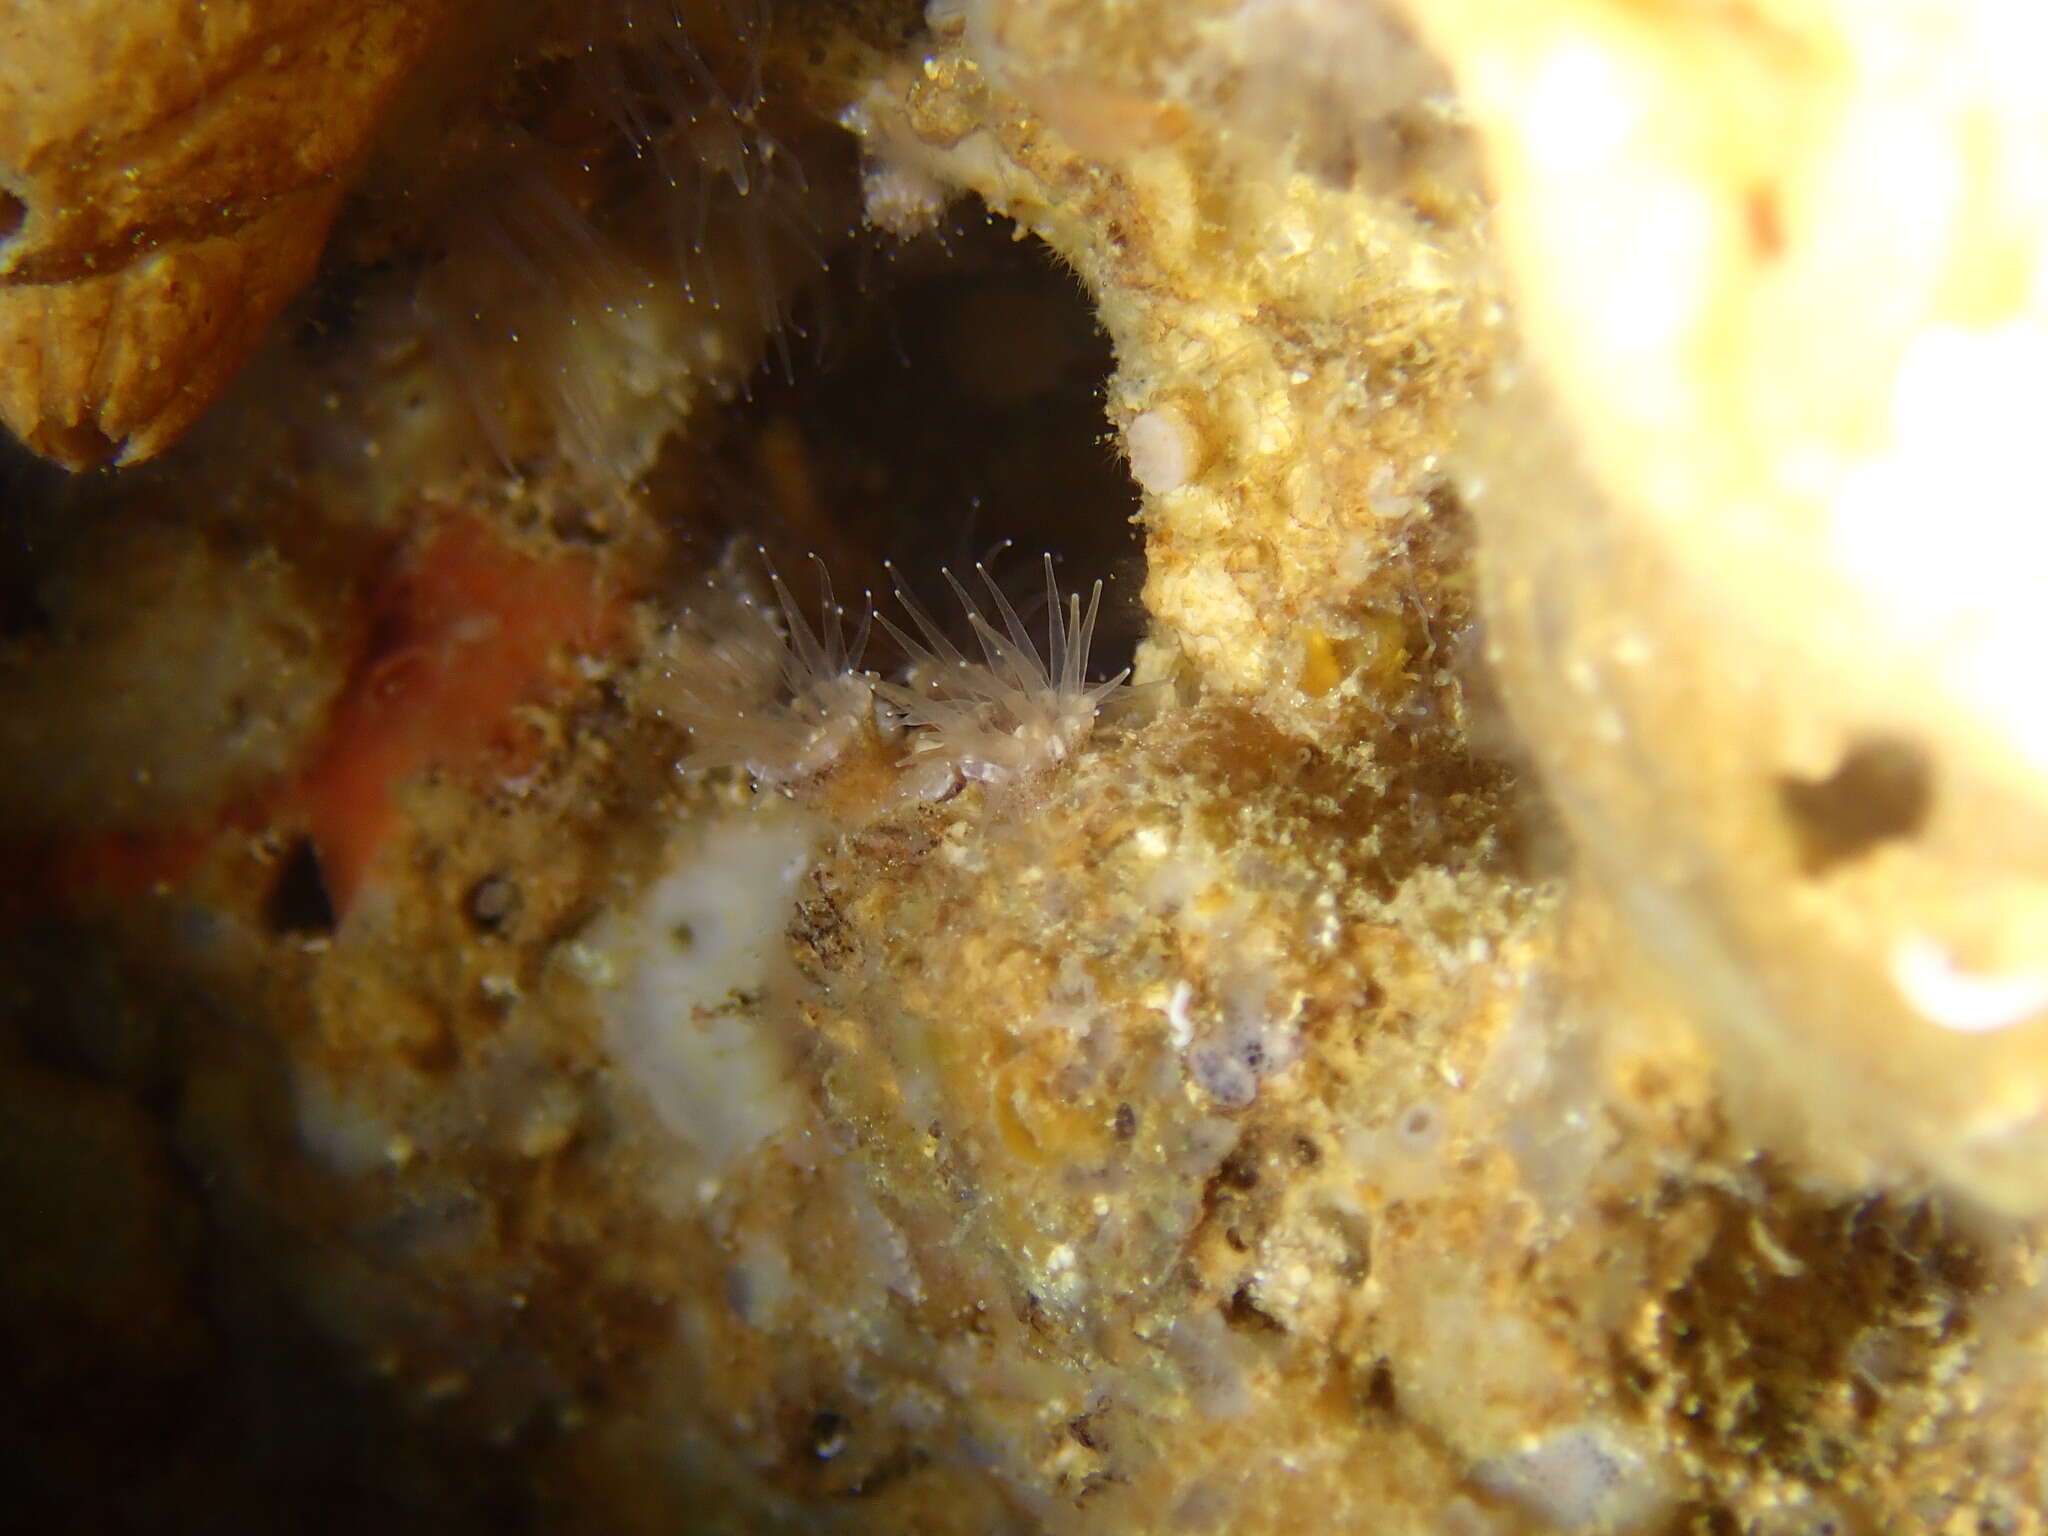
[
  {"x": 1882, "y": 790},
  {"x": 1240, "y": 1170},
  {"x": 493, "y": 905},
  {"x": 1243, "y": 1312},
  {"x": 827, "y": 1435},
  {"x": 1379, "y": 1389},
  {"x": 298, "y": 902}
]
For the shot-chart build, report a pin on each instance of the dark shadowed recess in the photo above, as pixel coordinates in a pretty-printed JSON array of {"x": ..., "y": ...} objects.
[
  {"x": 942, "y": 404},
  {"x": 36, "y": 502}
]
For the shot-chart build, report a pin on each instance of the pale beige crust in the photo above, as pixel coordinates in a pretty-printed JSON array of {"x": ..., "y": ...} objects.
[{"x": 1778, "y": 272}]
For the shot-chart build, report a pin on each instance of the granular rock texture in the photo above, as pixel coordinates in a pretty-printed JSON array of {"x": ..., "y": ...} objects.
[{"x": 1487, "y": 979}]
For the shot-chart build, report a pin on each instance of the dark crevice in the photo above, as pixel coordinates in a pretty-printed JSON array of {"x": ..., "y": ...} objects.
[
  {"x": 953, "y": 413},
  {"x": 1243, "y": 1312},
  {"x": 1882, "y": 791},
  {"x": 298, "y": 903},
  {"x": 1378, "y": 1396}
]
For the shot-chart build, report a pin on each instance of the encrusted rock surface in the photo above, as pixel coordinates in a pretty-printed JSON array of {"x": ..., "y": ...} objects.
[{"x": 1523, "y": 1015}]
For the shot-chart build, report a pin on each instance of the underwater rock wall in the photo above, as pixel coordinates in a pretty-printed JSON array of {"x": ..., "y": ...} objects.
[{"x": 1519, "y": 1013}]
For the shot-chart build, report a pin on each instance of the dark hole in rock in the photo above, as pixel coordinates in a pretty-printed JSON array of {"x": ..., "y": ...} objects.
[
  {"x": 1379, "y": 1396},
  {"x": 493, "y": 904},
  {"x": 298, "y": 902},
  {"x": 34, "y": 527},
  {"x": 953, "y": 413},
  {"x": 1240, "y": 1170},
  {"x": 827, "y": 1435},
  {"x": 1243, "y": 1312},
  {"x": 13, "y": 214},
  {"x": 1882, "y": 790}
]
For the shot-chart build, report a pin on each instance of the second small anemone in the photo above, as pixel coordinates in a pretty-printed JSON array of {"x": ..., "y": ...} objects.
[
  {"x": 1015, "y": 714},
  {"x": 757, "y": 688}
]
